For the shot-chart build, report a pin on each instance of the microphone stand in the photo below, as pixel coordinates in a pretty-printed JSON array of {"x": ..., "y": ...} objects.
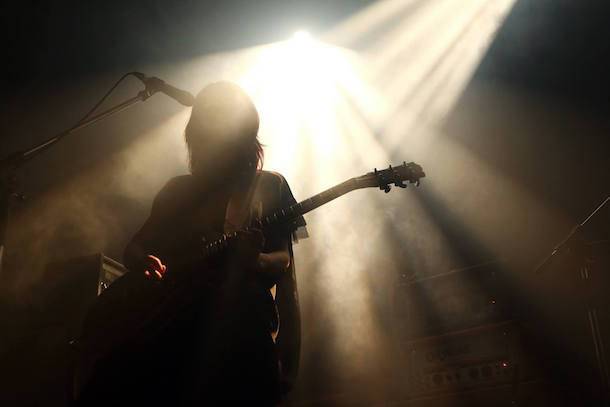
[
  {"x": 569, "y": 239},
  {"x": 570, "y": 242},
  {"x": 10, "y": 163}
]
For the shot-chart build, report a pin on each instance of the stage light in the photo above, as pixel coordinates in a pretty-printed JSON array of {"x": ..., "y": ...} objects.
[
  {"x": 301, "y": 35},
  {"x": 296, "y": 82}
]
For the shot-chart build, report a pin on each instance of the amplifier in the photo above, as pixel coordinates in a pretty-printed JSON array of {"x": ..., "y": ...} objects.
[
  {"x": 456, "y": 300},
  {"x": 70, "y": 286},
  {"x": 526, "y": 394},
  {"x": 39, "y": 369},
  {"x": 110, "y": 270},
  {"x": 485, "y": 356}
]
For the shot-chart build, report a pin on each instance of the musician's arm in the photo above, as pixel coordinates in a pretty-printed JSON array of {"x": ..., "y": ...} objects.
[
  {"x": 275, "y": 259},
  {"x": 274, "y": 262},
  {"x": 272, "y": 266}
]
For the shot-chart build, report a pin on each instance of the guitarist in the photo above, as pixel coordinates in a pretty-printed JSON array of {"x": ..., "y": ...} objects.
[{"x": 228, "y": 349}]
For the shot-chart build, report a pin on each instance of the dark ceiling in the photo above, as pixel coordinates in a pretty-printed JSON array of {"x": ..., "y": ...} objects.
[
  {"x": 558, "y": 47},
  {"x": 61, "y": 39}
]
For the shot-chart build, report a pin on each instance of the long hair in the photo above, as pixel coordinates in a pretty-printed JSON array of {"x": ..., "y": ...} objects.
[{"x": 221, "y": 104}]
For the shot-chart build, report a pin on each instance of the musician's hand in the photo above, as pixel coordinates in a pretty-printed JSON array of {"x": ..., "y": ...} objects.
[
  {"x": 155, "y": 269},
  {"x": 272, "y": 266}
]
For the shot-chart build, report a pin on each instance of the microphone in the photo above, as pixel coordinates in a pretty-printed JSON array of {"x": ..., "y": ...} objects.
[{"x": 154, "y": 85}]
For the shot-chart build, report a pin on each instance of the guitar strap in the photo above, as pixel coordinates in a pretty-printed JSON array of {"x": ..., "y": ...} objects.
[{"x": 239, "y": 209}]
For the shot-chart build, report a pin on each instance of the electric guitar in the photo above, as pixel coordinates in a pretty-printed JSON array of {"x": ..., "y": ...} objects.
[{"x": 134, "y": 310}]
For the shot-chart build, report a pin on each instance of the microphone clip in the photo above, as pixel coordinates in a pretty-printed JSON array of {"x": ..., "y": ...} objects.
[{"x": 152, "y": 84}]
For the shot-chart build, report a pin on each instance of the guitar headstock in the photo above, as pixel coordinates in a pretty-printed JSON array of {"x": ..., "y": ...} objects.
[{"x": 397, "y": 176}]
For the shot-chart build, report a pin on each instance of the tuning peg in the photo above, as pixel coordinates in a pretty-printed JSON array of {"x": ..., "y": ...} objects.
[{"x": 386, "y": 188}]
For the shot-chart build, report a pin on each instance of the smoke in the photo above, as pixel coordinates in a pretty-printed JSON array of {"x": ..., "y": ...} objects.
[{"x": 98, "y": 209}]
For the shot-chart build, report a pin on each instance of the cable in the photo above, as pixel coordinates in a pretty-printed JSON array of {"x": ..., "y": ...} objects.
[
  {"x": 21, "y": 156},
  {"x": 103, "y": 99}
]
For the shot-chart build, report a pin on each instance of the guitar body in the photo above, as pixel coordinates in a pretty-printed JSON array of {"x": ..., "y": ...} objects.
[
  {"x": 122, "y": 309},
  {"x": 141, "y": 330},
  {"x": 132, "y": 330}
]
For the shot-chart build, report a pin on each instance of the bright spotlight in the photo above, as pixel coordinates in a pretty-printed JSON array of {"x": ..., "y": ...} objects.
[
  {"x": 301, "y": 69},
  {"x": 301, "y": 35}
]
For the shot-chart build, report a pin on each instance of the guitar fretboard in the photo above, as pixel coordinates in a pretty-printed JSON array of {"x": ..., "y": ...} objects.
[
  {"x": 379, "y": 179},
  {"x": 285, "y": 215}
]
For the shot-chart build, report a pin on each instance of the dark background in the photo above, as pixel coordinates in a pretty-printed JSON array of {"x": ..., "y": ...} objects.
[{"x": 537, "y": 108}]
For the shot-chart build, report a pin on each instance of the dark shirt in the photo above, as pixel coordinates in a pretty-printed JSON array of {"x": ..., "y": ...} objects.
[{"x": 182, "y": 213}]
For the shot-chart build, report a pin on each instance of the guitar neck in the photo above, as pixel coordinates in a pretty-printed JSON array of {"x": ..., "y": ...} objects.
[
  {"x": 285, "y": 215},
  {"x": 291, "y": 213},
  {"x": 377, "y": 179}
]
